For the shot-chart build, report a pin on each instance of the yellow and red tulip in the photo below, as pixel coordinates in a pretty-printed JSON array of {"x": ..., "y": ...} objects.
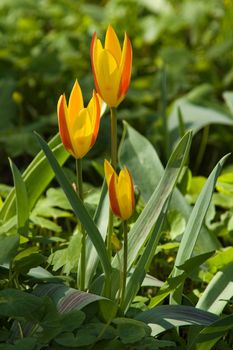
[
  {"x": 121, "y": 192},
  {"x": 111, "y": 66},
  {"x": 78, "y": 126}
]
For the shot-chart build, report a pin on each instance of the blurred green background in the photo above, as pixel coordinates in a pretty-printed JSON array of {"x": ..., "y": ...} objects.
[{"x": 44, "y": 46}]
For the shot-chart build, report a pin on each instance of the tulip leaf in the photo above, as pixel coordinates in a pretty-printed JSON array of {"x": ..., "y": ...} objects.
[
  {"x": 78, "y": 208},
  {"x": 165, "y": 317},
  {"x": 218, "y": 291},
  {"x": 194, "y": 117},
  {"x": 101, "y": 221},
  {"x": 138, "y": 153},
  {"x": 142, "y": 227},
  {"x": 195, "y": 222},
  {"x": 209, "y": 335},
  {"x": 22, "y": 207},
  {"x": 139, "y": 273},
  {"x": 37, "y": 176}
]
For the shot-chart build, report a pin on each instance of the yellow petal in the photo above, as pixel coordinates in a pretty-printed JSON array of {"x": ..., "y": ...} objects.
[
  {"x": 75, "y": 102},
  {"x": 108, "y": 170},
  {"x": 108, "y": 78},
  {"x": 125, "y": 66},
  {"x": 124, "y": 194},
  {"x": 82, "y": 134},
  {"x": 112, "y": 44}
]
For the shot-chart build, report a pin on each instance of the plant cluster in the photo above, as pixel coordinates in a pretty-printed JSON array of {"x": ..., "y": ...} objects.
[{"x": 145, "y": 262}]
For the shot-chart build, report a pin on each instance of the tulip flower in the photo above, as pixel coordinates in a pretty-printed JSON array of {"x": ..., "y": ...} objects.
[
  {"x": 121, "y": 193},
  {"x": 78, "y": 126},
  {"x": 111, "y": 67}
]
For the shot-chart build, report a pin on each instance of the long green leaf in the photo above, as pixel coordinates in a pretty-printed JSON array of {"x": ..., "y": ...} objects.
[
  {"x": 101, "y": 221},
  {"x": 194, "y": 117},
  {"x": 22, "y": 207},
  {"x": 37, "y": 176},
  {"x": 165, "y": 317},
  {"x": 78, "y": 208},
  {"x": 172, "y": 283},
  {"x": 209, "y": 336},
  {"x": 137, "y": 153},
  {"x": 195, "y": 222},
  {"x": 139, "y": 273},
  {"x": 218, "y": 291},
  {"x": 139, "y": 233}
]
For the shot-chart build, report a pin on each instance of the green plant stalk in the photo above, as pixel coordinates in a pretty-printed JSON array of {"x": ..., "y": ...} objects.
[
  {"x": 163, "y": 84},
  {"x": 202, "y": 148},
  {"x": 125, "y": 255},
  {"x": 83, "y": 249},
  {"x": 114, "y": 165}
]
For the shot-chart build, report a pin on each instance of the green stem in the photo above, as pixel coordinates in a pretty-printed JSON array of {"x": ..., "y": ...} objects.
[
  {"x": 163, "y": 83},
  {"x": 125, "y": 255},
  {"x": 202, "y": 148},
  {"x": 83, "y": 249},
  {"x": 114, "y": 165},
  {"x": 113, "y": 137},
  {"x": 110, "y": 218}
]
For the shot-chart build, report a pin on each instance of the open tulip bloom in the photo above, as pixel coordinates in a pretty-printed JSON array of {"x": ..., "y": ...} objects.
[
  {"x": 111, "y": 67},
  {"x": 78, "y": 126},
  {"x": 121, "y": 192}
]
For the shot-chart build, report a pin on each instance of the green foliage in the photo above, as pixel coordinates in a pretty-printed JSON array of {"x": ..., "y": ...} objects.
[{"x": 181, "y": 233}]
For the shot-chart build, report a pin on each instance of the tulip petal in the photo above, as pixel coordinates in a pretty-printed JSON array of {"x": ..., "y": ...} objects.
[
  {"x": 82, "y": 133},
  {"x": 75, "y": 102},
  {"x": 125, "y": 67},
  {"x": 108, "y": 171},
  {"x": 62, "y": 113},
  {"x": 95, "y": 50},
  {"x": 112, "y": 44},
  {"x": 113, "y": 195},
  {"x": 124, "y": 194},
  {"x": 109, "y": 79},
  {"x": 94, "y": 111}
]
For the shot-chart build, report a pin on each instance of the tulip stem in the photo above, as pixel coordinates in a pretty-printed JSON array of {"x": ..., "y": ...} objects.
[
  {"x": 125, "y": 255},
  {"x": 114, "y": 165},
  {"x": 82, "y": 229},
  {"x": 113, "y": 137}
]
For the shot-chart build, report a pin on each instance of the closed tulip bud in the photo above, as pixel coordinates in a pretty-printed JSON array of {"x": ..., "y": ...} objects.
[
  {"x": 78, "y": 126},
  {"x": 121, "y": 192},
  {"x": 111, "y": 66}
]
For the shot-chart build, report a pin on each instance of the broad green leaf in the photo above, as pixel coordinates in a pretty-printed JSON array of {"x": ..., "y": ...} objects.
[
  {"x": 8, "y": 247},
  {"x": 141, "y": 229},
  {"x": 209, "y": 335},
  {"x": 78, "y": 208},
  {"x": 22, "y": 208},
  {"x": 194, "y": 118},
  {"x": 195, "y": 222},
  {"x": 131, "y": 330},
  {"x": 69, "y": 299},
  {"x": 135, "y": 280},
  {"x": 172, "y": 283},
  {"x": 16, "y": 303},
  {"x": 138, "y": 153},
  {"x": 36, "y": 177},
  {"x": 228, "y": 97},
  {"x": 67, "y": 258},
  {"x": 225, "y": 184},
  {"x": 165, "y": 317},
  {"x": 101, "y": 221},
  {"x": 218, "y": 291}
]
